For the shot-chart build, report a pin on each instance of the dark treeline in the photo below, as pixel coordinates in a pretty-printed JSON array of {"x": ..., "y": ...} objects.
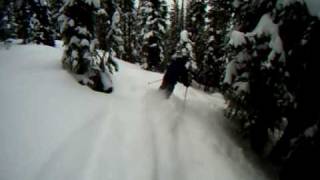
[{"x": 261, "y": 54}]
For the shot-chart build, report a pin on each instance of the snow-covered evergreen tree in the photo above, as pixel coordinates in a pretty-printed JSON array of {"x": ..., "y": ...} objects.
[
  {"x": 218, "y": 19},
  {"x": 108, "y": 30},
  {"x": 259, "y": 68},
  {"x": 174, "y": 30},
  {"x": 127, "y": 21},
  {"x": 116, "y": 39},
  {"x": 297, "y": 149},
  {"x": 152, "y": 17},
  {"x": 80, "y": 45},
  {"x": 55, "y": 8},
  {"x": 8, "y": 24},
  {"x": 41, "y": 23},
  {"x": 185, "y": 48},
  {"x": 23, "y": 16},
  {"x": 271, "y": 73},
  {"x": 77, "y": 32},
  {"x": 195, "y": 24},
  {"x": 182, "y": 16},
  {"x": 248, "y": 13},
  {"x": 34, "y": 23},
  {"x": 104, "y": 21},
  {"x": 35, "y": 29}
]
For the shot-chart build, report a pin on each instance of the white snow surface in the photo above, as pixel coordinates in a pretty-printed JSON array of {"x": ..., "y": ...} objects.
[{"x": 53, "y": 128}]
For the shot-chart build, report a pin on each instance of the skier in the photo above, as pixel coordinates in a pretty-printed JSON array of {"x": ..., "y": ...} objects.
[{"x": 176, "y": 71}]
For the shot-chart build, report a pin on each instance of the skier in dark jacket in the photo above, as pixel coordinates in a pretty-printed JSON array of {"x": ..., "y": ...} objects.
[{"x": 176, "y": 71}]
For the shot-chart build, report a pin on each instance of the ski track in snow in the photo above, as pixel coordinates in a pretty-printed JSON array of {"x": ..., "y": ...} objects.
[{"x": 132, "y": 134}]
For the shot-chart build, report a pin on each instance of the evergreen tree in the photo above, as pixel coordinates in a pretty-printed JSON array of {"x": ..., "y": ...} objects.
[
  {"x": 78, "y": 36},
  {"x": 117, "y": 42},
  {"x": 248, "y": 13},
  {"x": 218, "y": 16},
  {"x": 41, "y": 23},
  {"x": 34, "y": 23},
  {"x": 195, "y": 24},
  {"x": 8, "y": 25},
  {"x": 108, "y": 30},
  {"x": 23, "y": 16},
  {"x": 259, "y": 64},
  {"x": 174, "y": 31},
  {"x": 299, "y": 30},
  {"x": 297, "y": 150},
  {"x": 271, "y": 77},
  {"x": 55, "y": 7},
  {"x": 35, "y": 29},
  {"x": 185, "y": 48},
  {"x": 104, "y": 21},
  {"x": 152, "y": 21},
  {"x": 182, "y": 22},
  {"x": 127, "y": 28}
]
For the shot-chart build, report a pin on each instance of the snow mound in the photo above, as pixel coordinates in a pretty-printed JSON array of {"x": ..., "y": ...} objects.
[{"x": 51, "y": 127}]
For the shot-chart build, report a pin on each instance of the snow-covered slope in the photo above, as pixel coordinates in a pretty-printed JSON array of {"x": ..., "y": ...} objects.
[{"x": 52, "y": 128}]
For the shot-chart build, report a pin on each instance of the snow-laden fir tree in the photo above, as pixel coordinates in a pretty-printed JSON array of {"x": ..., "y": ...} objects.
[
  {"x": 108, "y": 31},
  {"x": 218, "y": 18},
  {"x": 78, "y": 34},
  {"x": 298, "y": 148},
  {"x": 195, "y": 24},
  {"x": 185, "y": 48},
  {"x": 248, "y": 13},
  {"x": 103, "y": 24},
  {"x": 257, "y": 76},
  {"x": 182, "y": 16},
  {"x": 55, "y": 8},
  {"x": 127, "y": 16},
  {"x": 8, "y": 24},
  {"x": 35, "y": 29},
  {"x": 41, "y": 23},
  {"x": 174, "y": 30},
  {"x": 271, "y": 75},
  {"x": 152, "y": 18},
  {"x": 116, "y": 38},
  {"x": 23, "y": 16}
]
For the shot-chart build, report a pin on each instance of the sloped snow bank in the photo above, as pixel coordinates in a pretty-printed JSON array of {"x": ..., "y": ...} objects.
[{"x": 53, "y": 128}]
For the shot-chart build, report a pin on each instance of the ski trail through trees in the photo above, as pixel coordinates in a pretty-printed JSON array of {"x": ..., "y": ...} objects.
[
  {"x": 58, "y": 129},
  {"x": 164, "y": 122}
]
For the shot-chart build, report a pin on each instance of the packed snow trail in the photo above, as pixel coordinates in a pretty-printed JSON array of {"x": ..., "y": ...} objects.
[{"x": 53, "y": 128}]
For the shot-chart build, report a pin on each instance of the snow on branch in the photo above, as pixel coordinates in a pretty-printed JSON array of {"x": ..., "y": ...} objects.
[
  {"x": 267, "y": 27},
  {"x": 237, "y": 38},
  {"x": 284, "y": 3}
]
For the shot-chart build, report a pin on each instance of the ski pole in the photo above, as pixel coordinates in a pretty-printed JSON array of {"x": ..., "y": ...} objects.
[
  {"x": 185, "y": 95},
  {"x": 152, "y": 82}
]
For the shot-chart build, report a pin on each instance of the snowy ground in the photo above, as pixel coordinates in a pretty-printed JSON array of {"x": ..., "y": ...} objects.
[{"x": 52, "y": 128}]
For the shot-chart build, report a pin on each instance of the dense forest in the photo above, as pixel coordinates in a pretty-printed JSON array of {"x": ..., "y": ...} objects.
[{"x": 260, "y": 54}]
